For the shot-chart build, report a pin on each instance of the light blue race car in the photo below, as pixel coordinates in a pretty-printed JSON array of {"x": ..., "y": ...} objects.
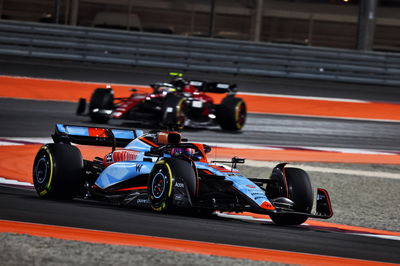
[{"x": 161, "y": 170}]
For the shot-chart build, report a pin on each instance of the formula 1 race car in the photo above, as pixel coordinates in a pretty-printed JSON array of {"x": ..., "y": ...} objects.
[
  {"x": 175, "y": 104},
  {"x": 162, "y": 171}
]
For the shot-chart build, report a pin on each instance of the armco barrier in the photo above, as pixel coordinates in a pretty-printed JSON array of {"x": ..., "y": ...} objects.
[{"x": 50, "y": 41}]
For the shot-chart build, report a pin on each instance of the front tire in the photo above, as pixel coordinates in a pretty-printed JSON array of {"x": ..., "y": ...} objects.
[
  {"x": 231, "y": 113},
  {"x": 57, "y": 171},
  {"x": 162, "y": 179},
  {"x": 101, "y": 103},
  {"x": 299, "y": 190}
]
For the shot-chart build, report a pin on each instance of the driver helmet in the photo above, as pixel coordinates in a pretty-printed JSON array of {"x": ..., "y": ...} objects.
[
  {"x": 189, "y": 152},
  {"x": 182, "y": 151},
  {"x": 165, "y": 88},
  {"x": 179, "y": 83}
]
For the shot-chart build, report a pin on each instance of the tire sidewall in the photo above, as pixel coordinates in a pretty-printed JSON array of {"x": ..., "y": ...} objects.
[
  {"x": 160, "y": 196},
  {"x": 101, "y": 99},
  {"x": 172, "y": 170},
  {"x": 299, "y": 190},
  {"x": 43, "y": 171},
  {"x": 231, "y": 113},
  {"x": 58, "y": 171},
  {"x": 176, "y": 117}
]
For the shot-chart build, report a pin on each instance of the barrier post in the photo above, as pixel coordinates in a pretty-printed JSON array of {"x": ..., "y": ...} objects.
[{"x": 366, "y": 24}]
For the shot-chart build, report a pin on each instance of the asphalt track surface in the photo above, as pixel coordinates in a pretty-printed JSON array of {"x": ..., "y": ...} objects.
[
  {"x": 30, "y": 118},
  {"x": 93, "y": 215}
]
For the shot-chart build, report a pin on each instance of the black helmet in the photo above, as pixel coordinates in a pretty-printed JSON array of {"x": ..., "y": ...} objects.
[{"x": 179, "y": 83}]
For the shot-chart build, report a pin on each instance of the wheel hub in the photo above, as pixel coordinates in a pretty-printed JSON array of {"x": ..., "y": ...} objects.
[{"x": 41, "y": 170}]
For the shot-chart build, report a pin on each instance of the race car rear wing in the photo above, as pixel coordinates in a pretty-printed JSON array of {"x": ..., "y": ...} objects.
[
  {"x": 215, "y": 87},
  {"x": 97, "y": 136}
]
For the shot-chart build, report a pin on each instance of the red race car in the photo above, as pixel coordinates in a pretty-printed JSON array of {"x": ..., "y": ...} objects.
[{"x": 175, "y": 104}]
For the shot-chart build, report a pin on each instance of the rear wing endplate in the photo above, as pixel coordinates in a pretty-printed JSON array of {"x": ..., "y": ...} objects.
[{"x": 97, "y": 136}]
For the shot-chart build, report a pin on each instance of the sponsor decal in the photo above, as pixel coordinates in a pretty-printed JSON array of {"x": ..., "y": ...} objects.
[
  {"x": 180, "y": 185},
  {"x": 257, "y": 193},
  {"x": 138, "y": 167},
  {"x": 109, "y": 158},
  {"x": 97, "y": 132},
  {"x": 197, "y": 104},
  {"x": 259, "y": 197},
  {"x": 251, "y": 186}
]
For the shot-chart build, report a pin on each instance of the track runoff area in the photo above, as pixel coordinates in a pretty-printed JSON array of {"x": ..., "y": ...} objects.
[{"x": 16, "y": 158}]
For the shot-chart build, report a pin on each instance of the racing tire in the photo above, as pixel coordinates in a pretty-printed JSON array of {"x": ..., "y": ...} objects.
[
  {"x": 299, "y": 190},
  {"x": 174, "y": 112},
  {"x": 57, "y": 171},
  {"x": 231, "y": 113},
  {"x": 102, "y": 100},
  {"x": 162, "y": 179}
]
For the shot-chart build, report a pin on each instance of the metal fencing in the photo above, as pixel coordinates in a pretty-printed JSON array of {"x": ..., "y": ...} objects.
[{"x": 49, "y": 41}]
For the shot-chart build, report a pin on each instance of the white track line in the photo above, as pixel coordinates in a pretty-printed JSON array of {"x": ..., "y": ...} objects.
[
  {"x": 378, "y": 236},
  {"x": 9, "y": 143},
  {"x": 331, "y": 117},
  {"x": 303, "y": 97},
  {"x": 6, "y": 181},
  {"x": 15, "y": 140}
]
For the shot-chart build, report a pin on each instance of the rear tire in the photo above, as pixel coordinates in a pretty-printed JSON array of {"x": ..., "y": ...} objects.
[
  {"x": 231, "y": 113},
  {"x": 162, "y": 178},
  {"x": 300, "y": 192},
  {"x": 174, "y": 112},
  {"x": 57, "y": 171},
  {"x": 102, "y": 100}
]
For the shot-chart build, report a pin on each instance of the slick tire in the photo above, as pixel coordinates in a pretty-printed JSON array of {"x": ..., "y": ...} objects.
[
  {"x": 57, "y": 171},
  {"x": 102, "y": 100},
  {"x": 231, "y": 113},
  {"x": 300, "y": 192},
  {"x": 162, "y": 179},
  {"x": 174, "y": 112}
]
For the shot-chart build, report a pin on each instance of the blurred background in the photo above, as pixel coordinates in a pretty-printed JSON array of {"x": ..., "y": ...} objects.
[{"x": 366, "y": 25}]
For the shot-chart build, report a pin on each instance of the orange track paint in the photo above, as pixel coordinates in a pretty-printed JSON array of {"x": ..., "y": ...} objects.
[
  {"x": 16, "y": 162},
  {"x": 42, "y": 89},
  {"x": 57, "y": 90},
  {"x": 177, "y": 245}
]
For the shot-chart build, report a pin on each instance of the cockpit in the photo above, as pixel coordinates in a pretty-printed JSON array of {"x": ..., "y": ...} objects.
[{"x": 169, "y": 143}]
